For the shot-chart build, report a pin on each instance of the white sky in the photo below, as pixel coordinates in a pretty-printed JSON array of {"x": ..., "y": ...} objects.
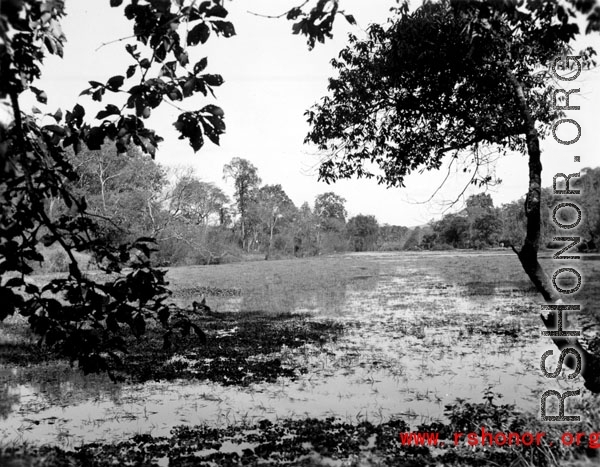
[{"x": 271, "y": 79}]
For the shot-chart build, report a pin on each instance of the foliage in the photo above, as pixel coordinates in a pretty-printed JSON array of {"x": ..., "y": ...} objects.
[
  {"x": 273, "y": 207},
  {"x": 392, "y": 237},
  {"x": 82, "y": 318},
  {"x": 453, "y": 229},
  {"x": 195, "y": 201},
  {"x": 435, "y": 82},
  {"x": 305, "y": 232},
  {"x": 362, "y": 231},
  {"x": 414, "y": 239},
  {"x": 246, "y": 182},
  {"x": 330, "y": 211},
  {"x": 121, "y": 191}
]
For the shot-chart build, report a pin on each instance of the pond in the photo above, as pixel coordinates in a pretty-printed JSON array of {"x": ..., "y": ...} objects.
[{"x": 420, "y": 331}]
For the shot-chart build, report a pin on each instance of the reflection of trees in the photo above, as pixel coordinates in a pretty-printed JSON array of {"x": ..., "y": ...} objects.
[
  {"x": 56, "y": 384},
  {"x": 328, "y": 298},
  {"x": 7, "y": 400},
  {"x": 271, "y": 298}
]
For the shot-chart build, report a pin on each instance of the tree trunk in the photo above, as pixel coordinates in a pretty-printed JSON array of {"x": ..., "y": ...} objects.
[
  {"x": 528, "y": 256},
  {"x": 270, "y": 245}
]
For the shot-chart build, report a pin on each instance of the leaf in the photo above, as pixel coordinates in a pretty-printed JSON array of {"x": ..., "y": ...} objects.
[
  {"x": 225, "y": 28},
  {"x": 31, "y": 289},
  {"x": 217, "y": 11},
  {"x": 175, "y": 94},
  {"x": 131, "y": 50},
  {"x": 75, "y": 116},
  {"x": 168, "y": 69},
  {"x": 187, "y": 124},
  {"x": 97, "y": 95},
  {"x": 293, "y": 13},
  {"x": 350, "y": 19},
  {"x": 115, "y": 83},
  {"x": 213, "y": 80},
  {"x": 58, "y": 115},
  {"x": 95, "y": 138},
  {"x": 115, "y": 3},
  {"x": 199, "y": 33},
  {"x": 200, "y": 66},
  {"x": 183, "y": 58},
  {"x": 109, "y": 110},
  {"x": 131, "y": 71},
  {"x": 189, "y": 86},
  {"x": 213, "y": 126},
  {"x": 214, "y": 110},
  {"x": 14, "y": 282},
  {"x": 40, "y": 94},
  {"x": 59, "y": 130},
  {"x": 161, "y": 5}
]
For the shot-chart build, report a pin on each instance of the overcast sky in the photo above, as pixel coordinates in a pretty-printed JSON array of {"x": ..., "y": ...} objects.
[{"x": 271, "y": 79}]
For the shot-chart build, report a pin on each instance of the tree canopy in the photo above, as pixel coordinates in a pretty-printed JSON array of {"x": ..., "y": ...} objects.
[{"x": 445, "y": 78}]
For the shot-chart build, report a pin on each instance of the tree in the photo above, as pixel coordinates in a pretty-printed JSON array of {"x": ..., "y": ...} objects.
[
  {"x": 331, "y": 211},
  {"x": 453, "y": 229},
  {"x": 246, "y": 182},
  {"x": 122, "y": 191},
  {"x": 392, "y": 236},
  {"x": 363, "y": 231},
  {"x": 196, "y": 201},
  {"x": 87, "y": 325},
  {"x": 194, "y": 209},
  {"x": 414, "y": 238},
  {"x": 514, "y": 222},
  {"x": 273, "y": 207},
  {"x": 484, "y": 221},
  {"x": 330, "y": 215},
  {"x": 305, "y": 232},
  {"x": 447, "y": 79}
]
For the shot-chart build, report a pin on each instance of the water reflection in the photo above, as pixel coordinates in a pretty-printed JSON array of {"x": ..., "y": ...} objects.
[
  {"x": 8, "y": 399},
  {"x": 415, "y": 341}
]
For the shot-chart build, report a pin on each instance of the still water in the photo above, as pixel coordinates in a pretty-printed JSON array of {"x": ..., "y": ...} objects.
[{"x": 414, "y": 341}]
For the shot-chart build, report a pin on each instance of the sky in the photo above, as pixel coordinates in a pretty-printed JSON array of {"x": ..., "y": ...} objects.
[{"x": 271, "y": 79}]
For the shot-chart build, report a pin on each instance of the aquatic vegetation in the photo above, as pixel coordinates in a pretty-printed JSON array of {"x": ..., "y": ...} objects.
[{"x": 310, "y": 362}]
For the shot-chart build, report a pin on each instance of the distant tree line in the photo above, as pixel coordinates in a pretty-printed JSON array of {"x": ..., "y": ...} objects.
[
  {"x": 195, "y": 222},
  {"x": 481, "y": 225}
]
